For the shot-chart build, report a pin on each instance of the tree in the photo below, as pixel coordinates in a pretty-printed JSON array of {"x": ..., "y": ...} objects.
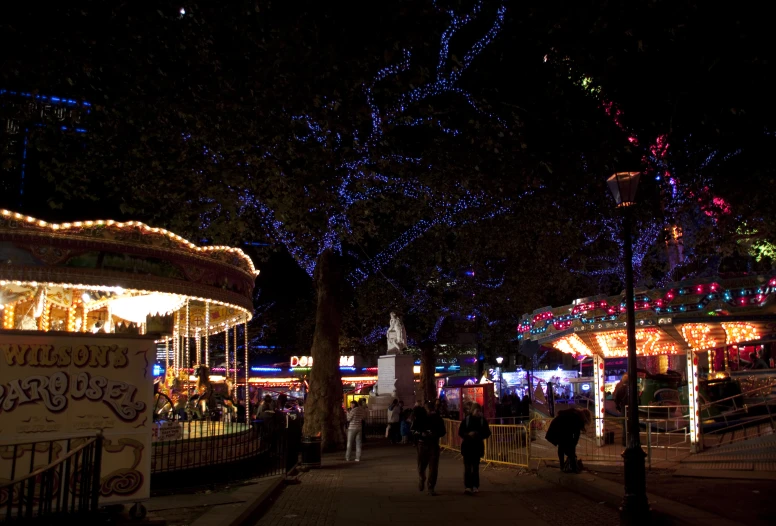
[
  {"x": 323, "y": 169},
  {"x": 239, "y": 122}
]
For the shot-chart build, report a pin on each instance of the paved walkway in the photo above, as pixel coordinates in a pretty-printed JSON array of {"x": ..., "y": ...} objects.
[
  {"x": 213, "y": 507},
  {"x": 382, "y": 490}
]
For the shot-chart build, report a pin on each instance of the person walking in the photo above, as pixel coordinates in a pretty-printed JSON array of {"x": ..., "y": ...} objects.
[
  {"x": 564, "y": 432},
  {"x": 428, "y": 427},
  {"x": 474, "y": 431},
  {"x": 394, "y": 419},
  {"x": 355, "y": 417}
]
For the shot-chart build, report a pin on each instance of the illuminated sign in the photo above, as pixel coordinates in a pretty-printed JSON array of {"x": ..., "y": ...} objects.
[
  {"x": 585, "y": 387},
  {"x": 158, "y": 370},
  {"x": 307, "y": 361}
]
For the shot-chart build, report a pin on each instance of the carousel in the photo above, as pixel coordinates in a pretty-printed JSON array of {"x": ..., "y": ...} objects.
[
  {"x": 691, "y": 338},
  {"x": 129, "y": 278}
]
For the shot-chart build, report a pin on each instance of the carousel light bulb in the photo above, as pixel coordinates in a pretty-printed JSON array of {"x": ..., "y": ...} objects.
[{"x": 86, "y": 298}]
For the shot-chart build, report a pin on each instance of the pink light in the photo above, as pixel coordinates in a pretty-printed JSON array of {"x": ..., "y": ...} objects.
[{"x": 721, "y": 204}]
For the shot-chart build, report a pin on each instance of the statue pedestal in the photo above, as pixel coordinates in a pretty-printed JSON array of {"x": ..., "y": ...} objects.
[{"x": 394, "y": 373}]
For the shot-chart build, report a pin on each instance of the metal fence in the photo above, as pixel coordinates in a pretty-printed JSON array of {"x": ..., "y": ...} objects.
[
  {"x": 587, "y": 448},
  {"x": 206, "y": 453},
  {"x": 65, "y": 486},
  {"x": 665, "y": 435},
  {"x": 375, "y": 424},
  {"x": 508, "y": 444},
  {"x": 740, "y": 417}
]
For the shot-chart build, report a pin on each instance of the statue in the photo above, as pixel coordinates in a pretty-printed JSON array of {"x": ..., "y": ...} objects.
[{"x": 397, "y": 335}]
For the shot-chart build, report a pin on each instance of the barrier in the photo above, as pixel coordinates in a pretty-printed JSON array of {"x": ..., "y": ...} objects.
[
  {"x": 508, "y": 444},
  {"x": 587, "y": 449},
  {"x": 202, "y": 454},
  {"x": 451, "y": 440},
  {"x": 66, "y": 488},
  {"x": 665, "y": 438},
  {"x": 665, "y": 432}
]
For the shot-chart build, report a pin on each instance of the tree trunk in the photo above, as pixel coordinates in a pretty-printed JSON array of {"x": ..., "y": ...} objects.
[
  {"x": 427, "y": 370},
  {"x": 323, "y": 409}
]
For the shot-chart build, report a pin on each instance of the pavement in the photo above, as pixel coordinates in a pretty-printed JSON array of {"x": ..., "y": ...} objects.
[
  {"x": 716, "y": 496},
  {"x": 233, "y": 504},
  {"x": 382, "y": 490}
]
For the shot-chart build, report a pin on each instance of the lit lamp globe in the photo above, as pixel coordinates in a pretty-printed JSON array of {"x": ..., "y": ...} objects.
[
  {"x": 623, "y": 186},
  {"x": 499, "y": 360}
]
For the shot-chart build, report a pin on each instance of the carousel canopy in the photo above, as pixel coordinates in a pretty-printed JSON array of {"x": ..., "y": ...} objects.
[
  {"x": 91, "y": 276},
  {"x": 700, "y": 315}
]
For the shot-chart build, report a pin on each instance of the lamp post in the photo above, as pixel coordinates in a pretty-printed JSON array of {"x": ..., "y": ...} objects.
[
  {"x": 635, "y": 507},
  {"x": 499, "y": 361}
]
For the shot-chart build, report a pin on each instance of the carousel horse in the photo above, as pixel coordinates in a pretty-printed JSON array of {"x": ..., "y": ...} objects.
[
  {"x": 162, "y": 403},
  {"x": 180, "y": 403}
]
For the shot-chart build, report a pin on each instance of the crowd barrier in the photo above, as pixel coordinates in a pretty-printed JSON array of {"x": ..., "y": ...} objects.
[
  {"x": 508, "y": 444},
  {"x": 587, "y": 449}
]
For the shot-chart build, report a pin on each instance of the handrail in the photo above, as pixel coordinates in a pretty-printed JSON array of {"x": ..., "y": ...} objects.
[
  {"x": 740, "y": 395},
  {"x": 38, "y": 471},
  {"x": 46, "y": 492}
]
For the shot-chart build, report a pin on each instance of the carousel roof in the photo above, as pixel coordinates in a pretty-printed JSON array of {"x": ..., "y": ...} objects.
[
  {"x": 701, "y": 314},
  {"x": 132, "y": 269}
]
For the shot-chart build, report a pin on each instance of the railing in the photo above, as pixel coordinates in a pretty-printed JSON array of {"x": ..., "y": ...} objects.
[
  {"x": 65, "y": 486},
  {"x": 587, "y": 448},
  {"x": 375, "y": 424},
  {"x": 209, "y": 452},
  {"x": 731, "y": 415},
  {"x": 666, "y": 431},
  {"x": 509, "y": 420}
]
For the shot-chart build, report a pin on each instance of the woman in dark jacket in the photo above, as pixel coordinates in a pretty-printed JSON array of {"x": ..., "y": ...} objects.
[
  {"x": 474, "y": 431},
  {"x": 564, "y": 432}
]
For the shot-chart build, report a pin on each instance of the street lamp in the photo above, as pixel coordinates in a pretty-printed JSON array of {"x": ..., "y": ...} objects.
[
  {"x": 499, "y": 361},
  {"x": 635, "y": 507}
]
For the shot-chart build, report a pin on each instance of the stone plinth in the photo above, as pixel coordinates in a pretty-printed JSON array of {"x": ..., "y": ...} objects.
[{"x": 394, "y": 372}]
